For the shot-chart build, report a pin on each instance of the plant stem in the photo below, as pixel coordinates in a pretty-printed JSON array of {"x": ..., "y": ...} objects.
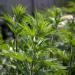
[
  {"x": 70, "y": 62},
  {"x": 16, "y": 44},
  {"x": 31, "y": 71}
]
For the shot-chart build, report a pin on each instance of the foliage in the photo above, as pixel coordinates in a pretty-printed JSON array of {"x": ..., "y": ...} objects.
[
  {"x": 69, "y": 6},
  {"x": 39, "y": 47}
]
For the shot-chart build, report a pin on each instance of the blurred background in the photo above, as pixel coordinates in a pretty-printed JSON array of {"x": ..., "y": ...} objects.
[{"x": 32, "y": 5}]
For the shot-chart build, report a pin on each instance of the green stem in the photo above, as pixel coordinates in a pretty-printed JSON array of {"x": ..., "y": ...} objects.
[
  {"x": 31, "y": 70},
  {"x": 16, "y": 48},
  {"x": 70, "y": 62}
]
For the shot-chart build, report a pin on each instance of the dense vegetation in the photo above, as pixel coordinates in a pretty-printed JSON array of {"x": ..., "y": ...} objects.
[{"x": 43, "y": 44}]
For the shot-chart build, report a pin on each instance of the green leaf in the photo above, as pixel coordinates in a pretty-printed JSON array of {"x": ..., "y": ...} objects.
[
  {"x": 18, "y": 12},
  {"x": 4, "y": 47},
  {"x": 14, "y": 55},
  {"x": 73, "y": 42}
]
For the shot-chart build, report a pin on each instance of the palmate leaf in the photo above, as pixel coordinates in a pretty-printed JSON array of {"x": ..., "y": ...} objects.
[
  {"x": 8, "y": 19},
  {"x": 42, "y": 25},
  {"x": 27, "y": 31},
  {"x": 19, "y": 11},
  {"x": 54, "y": 65},
  {"x": 28, "y": 25},
  {"x": 13, "y": 25},
  {"x": 29, "y": 20},
  {"x": 52, "y": 68},
  {"x": 14, "y": 55},
  {"x": 59, "y": 54},
  {"x": 54, "y": 12}
]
